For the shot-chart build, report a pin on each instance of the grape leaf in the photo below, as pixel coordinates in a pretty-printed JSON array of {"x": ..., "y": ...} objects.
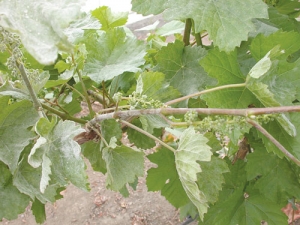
[
  {"x": 13, "y": 202},
  {"x": 92, "y": 151},
  {"x": 111, "y": 128},
  {"x": 123, "y": 164},
  {"x": 15, "y": 119},
  {"x": 46, "y": 20},
  {"x": 192, "y": 148},
  {"x": 277, "y": 180},
  {"x": 111, "y": 54},
  {"x": 261, "y": 45},
  {"x": 225, "y": 68},
  {"x": 140, "y": 140},
  {"x": 239, "y": 203},
  {"x": 150, "y": 122},
  {"x": 221, "y": 21},
  {"x": 108, "y": 19},
  {"x": 210, "y": 179},
  {"x": 58, "y": 154},
  {"x": 154, "y": 86},
  {"x": 27, "y": 179},
  {"x": 181, "y": 66},
  {"x": 8, "y": 89},
  {"x": 38, "y": 210},
  {"x": 245, "y": 208},
  {"x": 292, "y": 144},
  {"x": 165, "y": 178}
]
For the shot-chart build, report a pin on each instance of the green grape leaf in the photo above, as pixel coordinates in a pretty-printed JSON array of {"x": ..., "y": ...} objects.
[
  {"x": 153, "y": 85},
  {"x": 292, "y": 144},
  {"x": 274, "y": 176},
  {"x": 245, "y": 208},
  {"x": 111, "y": 128},
  {"x": 259, "y": 82},
  {"x": 138, "y": 139},
  {"x": 239, "y": 203},
  {"x": 192, "y": 147},
  {"x": 225, "y": 68},
  {"x": 170, "y": 28},
  {"x": 221, "y": 21},
  {"x": 92, "y": 151},
  {"x": 181, "y": 66},
  {"x": 62, "y": 79},
  {"x": 288, "y": 41},
  {"x": 288, "y": 7},
  {"x": 108, "y": 19},
  {"x": 38, "y": 210},
  {"x": 13, "y": 202},
  {"x": 165, "y": 177},
  {"x": 282, "y": 79},
  {"x": 111, "y": 54},
  {"x": 123, "y": 164},
  {"x": 15, "y": 119},
  {"x": 150, "y": 122},
  {"x": 211, "y": 178},
  {"x": 58, "y": 154},
  {"x": 46, "y": 19}
]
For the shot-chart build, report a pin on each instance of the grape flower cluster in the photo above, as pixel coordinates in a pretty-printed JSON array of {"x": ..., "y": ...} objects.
[{"x": 139, "y": 101}]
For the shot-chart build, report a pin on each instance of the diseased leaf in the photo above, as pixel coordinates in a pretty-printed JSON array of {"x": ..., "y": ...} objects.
[
  {"x": 211, "y": 178},
  {"x": 111, "y": 54},
  {"x": 192, "y": 148},
  {"x": 47, "y": 20},
  {"x": 108, "y": 19},
  {"x": 8, "y": 89},
  {"x": 165, "y": 178},
  {"x": 181, "y": 66},
  {"x": 27, "y": 179},
  {"x": 58, "y": 154},
  {"x": 221, "y": 21},
  {"x": 15, "y": 119},
  {"x": 123, "y": 164},
  {"x": 13, "y": 202}
]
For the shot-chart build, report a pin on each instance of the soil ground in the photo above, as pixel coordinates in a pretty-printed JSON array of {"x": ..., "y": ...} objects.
[{"x": 103, "y": 207}]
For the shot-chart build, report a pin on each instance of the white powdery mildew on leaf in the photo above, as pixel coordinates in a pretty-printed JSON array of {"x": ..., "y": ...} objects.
[
  {"x": 40, "y": 24},
  {"x": 192, "y": 148}
]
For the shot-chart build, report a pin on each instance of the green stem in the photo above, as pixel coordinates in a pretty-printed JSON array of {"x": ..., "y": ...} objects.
[
  {"x": 273, "y": 140},
  {"x": 62, "y": 115},
  {"x": 187, "y": 32},
  {"x": 198, "y": 39},
  {"x": 205, "y": 92},
  {"x": 85, "y": 94},
  {"x": 36, "y": 102},
  {"x": 148, "y": 135}
]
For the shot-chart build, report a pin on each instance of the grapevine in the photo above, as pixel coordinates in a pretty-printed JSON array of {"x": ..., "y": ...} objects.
[{"x": 73, "y": 85}]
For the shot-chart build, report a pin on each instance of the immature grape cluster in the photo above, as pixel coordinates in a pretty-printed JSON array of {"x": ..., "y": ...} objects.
[{"x": 139, "y": 101}]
